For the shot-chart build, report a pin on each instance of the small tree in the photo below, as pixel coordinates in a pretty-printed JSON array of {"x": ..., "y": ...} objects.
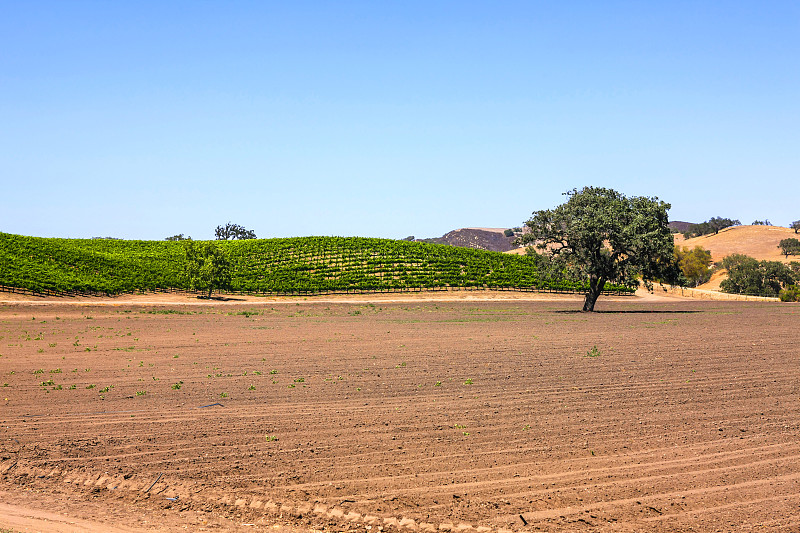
[
  {"x": 233, "y": 231},
  {"x": 789, "y": 247},
  {"x": 178, "y": 237},
  {"x": 761, "y": 223},
  {"x": 795, "y": 225},
  {"x": 207, "y": 267},
  {"x": 603, "y": 236},
  {"x": 694, "y": 264}
]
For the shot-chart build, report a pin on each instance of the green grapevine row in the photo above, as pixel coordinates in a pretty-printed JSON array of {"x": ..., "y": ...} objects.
[{"x": 283, "y": 266}]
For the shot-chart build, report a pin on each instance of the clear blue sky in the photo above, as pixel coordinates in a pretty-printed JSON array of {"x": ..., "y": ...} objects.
[{"x": 389, "y": 118}]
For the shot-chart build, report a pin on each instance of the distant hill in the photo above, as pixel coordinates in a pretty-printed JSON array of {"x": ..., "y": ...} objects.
[
  {"x": 760, "y": 242},
  {"x": 491, "y": 239},
  {"x": 494, "y": 240},
  {"x": 679, "y": 226}
]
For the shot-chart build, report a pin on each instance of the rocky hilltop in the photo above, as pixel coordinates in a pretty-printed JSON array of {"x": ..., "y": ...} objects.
[{"x": 492, "y": 239}]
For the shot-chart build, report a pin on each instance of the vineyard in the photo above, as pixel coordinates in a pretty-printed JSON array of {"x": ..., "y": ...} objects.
[{"x": 303, "y": 265}]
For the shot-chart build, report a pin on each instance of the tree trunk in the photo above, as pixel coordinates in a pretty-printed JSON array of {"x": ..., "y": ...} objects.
[
  {"x": 595, "y": 289},
  {"x": 588, "y": 303}
]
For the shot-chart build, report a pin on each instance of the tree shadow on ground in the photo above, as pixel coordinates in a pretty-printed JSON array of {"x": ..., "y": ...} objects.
[
  {"x": 629, "y": 311},
  {"x": 222, "y": 299}
]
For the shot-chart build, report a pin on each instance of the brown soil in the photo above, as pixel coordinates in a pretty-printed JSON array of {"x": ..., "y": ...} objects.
[{"x": 418, "y": 415}]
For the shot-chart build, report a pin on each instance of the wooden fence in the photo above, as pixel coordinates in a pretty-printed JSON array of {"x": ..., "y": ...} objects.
[{"x": 703, "y": 294}]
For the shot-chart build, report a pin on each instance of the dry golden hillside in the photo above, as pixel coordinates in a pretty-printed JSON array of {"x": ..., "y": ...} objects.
[{"x": 760, "y": 242}]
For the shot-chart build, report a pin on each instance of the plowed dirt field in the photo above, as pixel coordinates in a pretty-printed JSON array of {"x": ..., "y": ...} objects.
[{"x": 418, "y": 416}]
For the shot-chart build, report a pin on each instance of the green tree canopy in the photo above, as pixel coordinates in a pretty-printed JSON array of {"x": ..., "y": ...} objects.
[
  {"x": 789, "y": 247},
  {"x": 603, "y": 236},
  {"x": 233, "y": 231},
  {"x": 795, "y": 225},
  {"x": 747, "y": 275},
  {"x": 695, "y": 264},
  {"x": 790, "y": 293},
  {"x": 207, "y": 266},
  {"x": 712, "y": 225}
]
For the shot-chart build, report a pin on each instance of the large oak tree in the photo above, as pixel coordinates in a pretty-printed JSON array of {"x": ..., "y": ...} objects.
[{"x": 603, "y": 236}]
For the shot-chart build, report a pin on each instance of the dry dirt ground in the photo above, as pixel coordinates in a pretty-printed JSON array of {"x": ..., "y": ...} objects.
[{"x": 425, "y": 414}]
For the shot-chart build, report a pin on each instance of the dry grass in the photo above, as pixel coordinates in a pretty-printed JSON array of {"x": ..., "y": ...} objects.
[{"x": 760, "y": 242}]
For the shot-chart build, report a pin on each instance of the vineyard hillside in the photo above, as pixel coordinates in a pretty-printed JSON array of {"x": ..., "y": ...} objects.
[{"x": 302, "y": 265}]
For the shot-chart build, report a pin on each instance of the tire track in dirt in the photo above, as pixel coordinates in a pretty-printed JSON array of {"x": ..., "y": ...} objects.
[
  {"x": 564, "y": 481},
  {"x": 661, "y": 504},
  {"x": 186, "y": 496}
]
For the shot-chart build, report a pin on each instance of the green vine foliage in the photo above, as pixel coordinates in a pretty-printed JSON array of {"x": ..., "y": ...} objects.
[{"x": 268, "y": 266}]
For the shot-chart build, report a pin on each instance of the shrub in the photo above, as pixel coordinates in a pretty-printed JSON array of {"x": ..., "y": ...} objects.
[{"x": 790, "y": 294}]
